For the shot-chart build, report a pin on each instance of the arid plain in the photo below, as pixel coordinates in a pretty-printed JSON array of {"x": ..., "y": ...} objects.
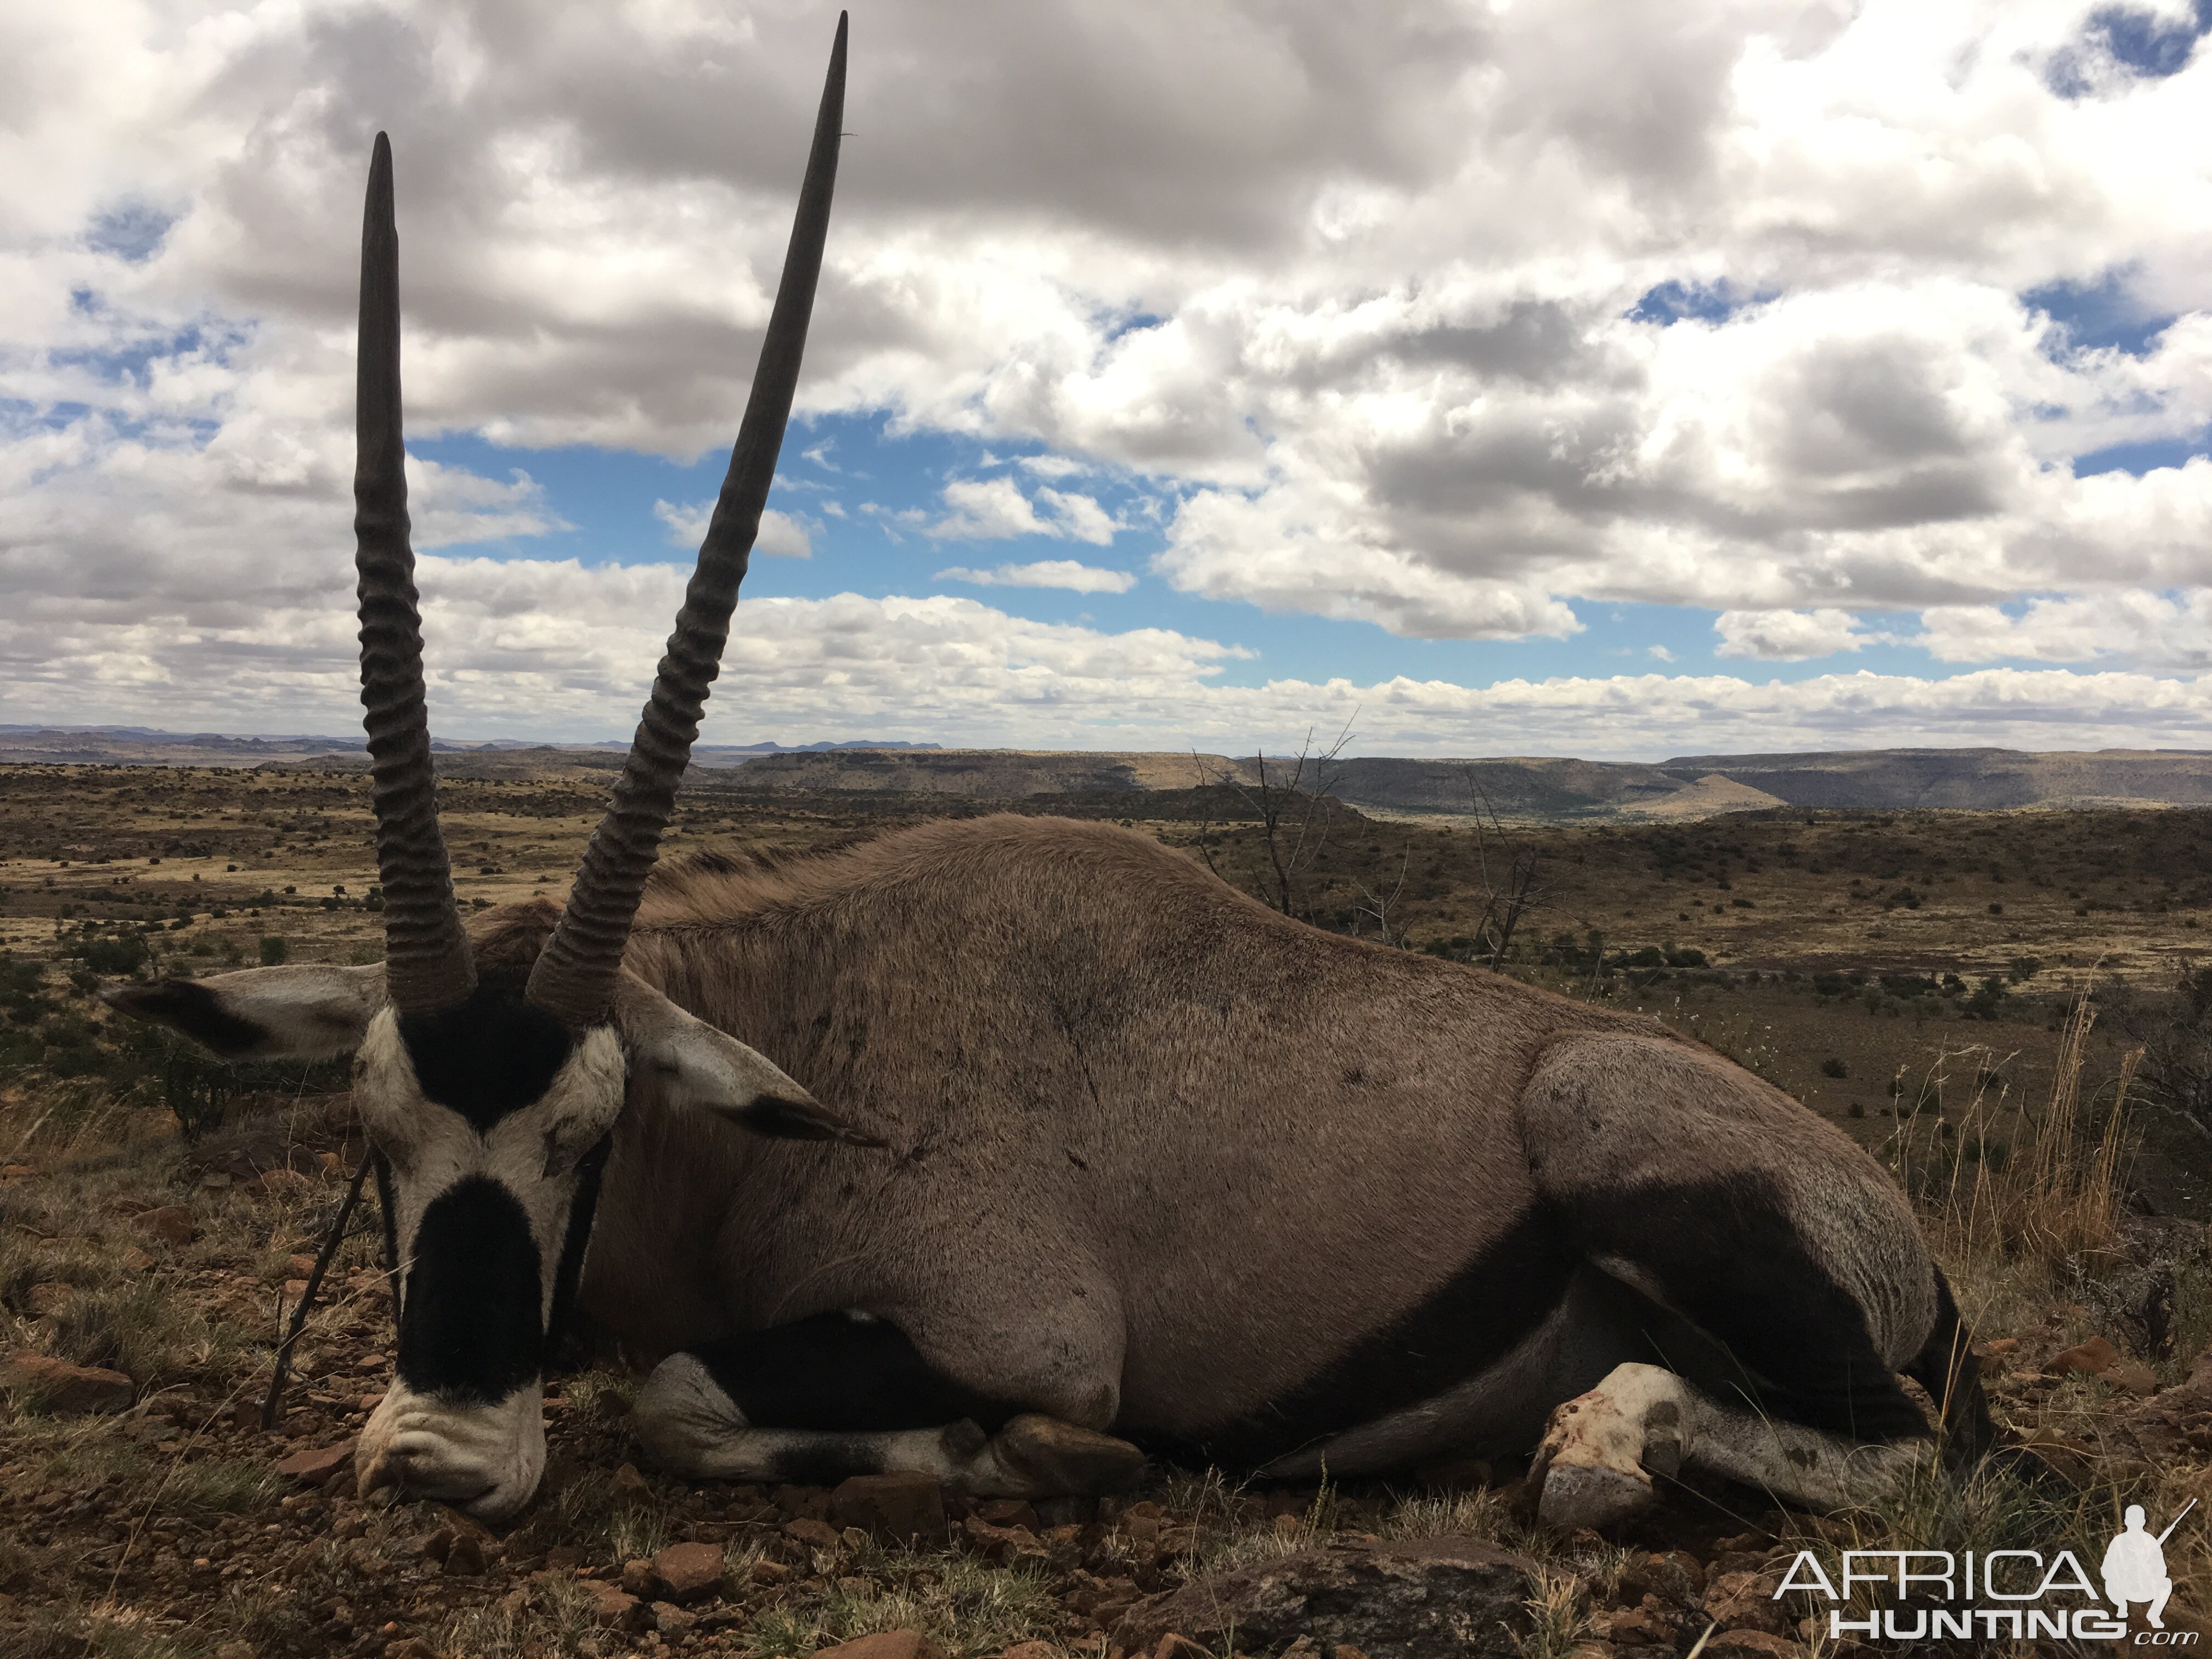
[{"x": 1999, "y": 1003}]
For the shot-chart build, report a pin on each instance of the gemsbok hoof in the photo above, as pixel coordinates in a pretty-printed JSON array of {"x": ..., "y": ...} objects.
[
  {"x": 1052, "y": 1459},
  {"x": 1601, "y": 1449}
]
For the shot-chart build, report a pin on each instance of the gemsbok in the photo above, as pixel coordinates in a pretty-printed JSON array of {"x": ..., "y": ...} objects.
[{"x": 1015, "y": 1150}]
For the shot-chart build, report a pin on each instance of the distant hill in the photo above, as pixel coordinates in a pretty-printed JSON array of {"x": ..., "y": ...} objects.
[
  {"x": 139, "y": 745},
  {"x": 1523, "y": 788},
  {"x": 1984, "y": 778}
]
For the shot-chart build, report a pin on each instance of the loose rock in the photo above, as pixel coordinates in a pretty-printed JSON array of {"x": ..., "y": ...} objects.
[
  {"x": 616, "y": 1608},
  {"x": 814, "y": 1534},
  {"x": 67, "y": 1390},
  {"x": 313, "y": 1467},
  {"x": 892, "y": 1508},
  {"x": 1429, "y": 1598},
  {"x": 1745, "y": 1600},
  {"x": 688, "y": 1572},
  {"x": 887, "y": 1645}
]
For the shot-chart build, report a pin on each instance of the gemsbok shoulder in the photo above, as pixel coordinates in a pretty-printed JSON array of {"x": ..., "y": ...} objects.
[{"x": 1016, "y": 1149}]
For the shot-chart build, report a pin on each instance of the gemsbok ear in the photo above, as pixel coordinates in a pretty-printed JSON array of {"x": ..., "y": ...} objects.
[
  {"x": 697, "y": 1066},
  {"x": 303, "y": 1012}
]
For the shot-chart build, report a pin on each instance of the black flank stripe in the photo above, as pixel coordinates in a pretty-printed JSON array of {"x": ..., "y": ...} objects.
[{"x": 1474, "y": 1319}]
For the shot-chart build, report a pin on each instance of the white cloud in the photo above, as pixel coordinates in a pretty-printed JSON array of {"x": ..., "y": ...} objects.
[
  {"x": 991, "y": 509},
  {"x": 2160, "y": 630},
  {"x": 1787, "y": 635},
  {"x": 781, "y": 536},
  {"x": 1078, "y": 517},
  {"x": 988, "y": 510},
  {"x": 1047, "y": 573},
  {"x": 1347, "y": 287},
  {"x": 540, "y": 648}
]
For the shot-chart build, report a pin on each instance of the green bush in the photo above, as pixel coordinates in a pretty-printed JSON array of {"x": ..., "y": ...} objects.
[
  {"x": 126, "y": 953},
  {"x": 274, "y": 952}
]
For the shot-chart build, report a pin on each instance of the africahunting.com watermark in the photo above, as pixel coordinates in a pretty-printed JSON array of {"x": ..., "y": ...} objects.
[{"x": 2013, "y": 1594}]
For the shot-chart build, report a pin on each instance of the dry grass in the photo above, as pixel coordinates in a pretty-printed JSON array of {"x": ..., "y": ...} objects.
[{"x": 2039, "y": 1190}]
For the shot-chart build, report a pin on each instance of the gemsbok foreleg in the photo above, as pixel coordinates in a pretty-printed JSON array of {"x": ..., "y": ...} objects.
[
  {"x": 1789, "y": 1281},
  {"x": 838, "y": 1394}
]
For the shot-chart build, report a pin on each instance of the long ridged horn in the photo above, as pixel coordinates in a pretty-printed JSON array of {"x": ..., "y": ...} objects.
[
  {"x": 575, "y": 977},
  {"x": 427, "y": 966}
]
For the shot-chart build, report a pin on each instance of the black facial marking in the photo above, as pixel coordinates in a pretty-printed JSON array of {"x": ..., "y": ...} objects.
[
  {"x": 192, "y": 1008},
  {"x": 493, "y": 1055},
  {"x": 469, "y": 1323},
  {"x": 835, "y": 1372},
  {"x": 1466, "y": 1326},
  {"x": 589, "y": 1168},
  {"x": 1726, "y": 1254}
]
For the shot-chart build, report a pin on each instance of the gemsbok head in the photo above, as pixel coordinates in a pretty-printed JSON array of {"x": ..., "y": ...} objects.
[{"x": 491, "y": 1096}]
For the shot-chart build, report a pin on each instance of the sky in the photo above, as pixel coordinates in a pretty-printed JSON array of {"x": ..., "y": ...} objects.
[{"x": 1513, "y": 377}]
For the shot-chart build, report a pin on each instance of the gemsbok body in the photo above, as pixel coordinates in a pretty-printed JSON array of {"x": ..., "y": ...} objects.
[{"x": 1016, "y": 1149}]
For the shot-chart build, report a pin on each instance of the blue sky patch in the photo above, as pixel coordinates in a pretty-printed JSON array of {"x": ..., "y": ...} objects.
[
  {"x": 1671, "y": 301},
  {"x": 2100, "y": 314}
]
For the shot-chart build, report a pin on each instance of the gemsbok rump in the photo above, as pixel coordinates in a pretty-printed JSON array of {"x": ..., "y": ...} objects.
[{"x": 1015, "y": 1150}]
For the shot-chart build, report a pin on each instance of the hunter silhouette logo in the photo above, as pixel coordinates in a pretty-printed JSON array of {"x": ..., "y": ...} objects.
[
  {"x": 2134, "y": 1567},
  {"x": 2020, "y": 1595}
]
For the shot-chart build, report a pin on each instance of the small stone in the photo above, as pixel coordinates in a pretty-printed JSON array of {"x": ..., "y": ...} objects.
[
  {"x": 370, "y": 1361},
  {"x": 671, "y": 1620},
  {"x": 637, "y": 1577},
  {"x": 302, "y": 1266},
  {"x": 1175, "y": 1645},
  {"x": 814, "y": 1534},
  {"x": 466, "y": 1557},
  {"x": 67, "y": 1390},
  {"x": 771, "y": 1572},
  {"x": 49, "y": 1299},
  {"x": 887, "y": 1645},
  {"x": 630, "y": 1487},
  {"x": 686, "y": 1572},
  {"x": 1009, "y": 1512},
  {"x": 616, "y": 1608},
  {"x": 564, "y": 1558},
  {"x": 172, "y": 1224},
  {"x": 2096, "y": 1357},
  {"x": 1743, "y": 1601},
  {"x": 313, "y": 1467}
]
